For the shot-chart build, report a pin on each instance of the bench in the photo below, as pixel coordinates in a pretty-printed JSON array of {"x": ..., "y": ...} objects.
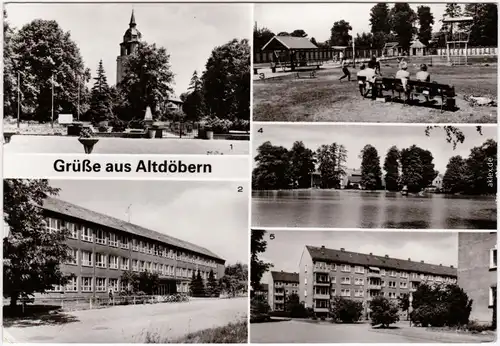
[
  {"x": 311, "y": 74},
  {"x": 429, "y": 89},
  {"x": 377, "y": 86}
]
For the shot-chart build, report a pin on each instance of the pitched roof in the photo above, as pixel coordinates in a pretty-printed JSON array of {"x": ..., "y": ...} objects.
[
  {"x": 291, "y": 42},
  {"x": 284, "y": 276},
  {"x": 62, "y": 207},
  {"x": 417, "y": 44},
  {"x": 356, "y": 258},
  {"x": 391, "y": 44}
]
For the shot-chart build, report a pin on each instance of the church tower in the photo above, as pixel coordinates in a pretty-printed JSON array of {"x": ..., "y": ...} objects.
[{"x": 131, "y": 40}]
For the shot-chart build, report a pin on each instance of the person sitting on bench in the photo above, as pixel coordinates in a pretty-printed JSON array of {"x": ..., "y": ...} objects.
[
  {"x": 371, "y": 75},
  {"x": 403, "y": 75},
  {"x": 423, "y": 76},
  {"x": 362, "y": 83}
]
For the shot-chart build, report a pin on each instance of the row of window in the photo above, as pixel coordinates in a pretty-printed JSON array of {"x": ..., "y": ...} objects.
[
  {"x": 122, "y": 241},
  {"x": 284, "y": 283},
  {"x": 346, "y": 280},
  {"x": 358, "y": 293},
  {"x": 347, "y": 268},
  {"x": 116, "y": 262}
]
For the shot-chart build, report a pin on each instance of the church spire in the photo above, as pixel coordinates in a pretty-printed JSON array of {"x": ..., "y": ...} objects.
[{"x": 132, "y": 20}]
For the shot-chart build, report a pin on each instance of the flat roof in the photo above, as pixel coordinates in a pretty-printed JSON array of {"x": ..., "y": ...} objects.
[{"x": 65, "y": 208}]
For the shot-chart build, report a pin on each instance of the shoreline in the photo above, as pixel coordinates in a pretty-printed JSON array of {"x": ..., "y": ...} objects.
[{"x": 379, "y": 191}]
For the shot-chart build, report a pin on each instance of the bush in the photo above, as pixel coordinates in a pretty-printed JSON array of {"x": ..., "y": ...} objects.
[
  {"x": 346, "y": 310},
  {"x": 259, "y": 304},
  {"x": 475, "y": 327},
  {"x": 429, "y": 315},
  {"x": 117, "y": 125},
  {"x": 383, "y": 312},
  {"x": 103, "y": 128}
]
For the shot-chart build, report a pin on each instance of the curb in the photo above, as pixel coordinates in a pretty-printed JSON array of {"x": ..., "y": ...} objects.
[{"x": 7, "y": 338}]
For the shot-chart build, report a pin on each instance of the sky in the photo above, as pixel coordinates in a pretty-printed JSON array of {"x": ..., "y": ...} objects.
[
  {"x": 285, "y": 249},
  {"x": 209, "y": 214},
  {"x": 317, "y": 19},
  {"x": 355, "y": 137},
  {"x": 189, "y": 32}
]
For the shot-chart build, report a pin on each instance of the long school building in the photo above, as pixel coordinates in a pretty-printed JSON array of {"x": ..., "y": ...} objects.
[
  {"x": 325, "y": 273},
  {"x": 104, "y": 247}
]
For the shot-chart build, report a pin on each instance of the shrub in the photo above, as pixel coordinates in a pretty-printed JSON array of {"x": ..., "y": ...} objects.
[
  {"x": 117, "y": 125},
  {"x": 86, "y": 132},
  {"x": 475, "y": 327},
  {"x": 259, "y": 304},
  {"x": 430, "y": 315},
  {"x": 103, "y": 128},
  {"x": 383, "y": 311},
  {"x": 346, "y": 310}
]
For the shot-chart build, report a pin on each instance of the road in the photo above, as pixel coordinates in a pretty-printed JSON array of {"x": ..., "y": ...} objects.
[
  {"x": 297, "y": 331},
  {"x": 26, "y": 144},
  {"x": 129, "y": 324}
]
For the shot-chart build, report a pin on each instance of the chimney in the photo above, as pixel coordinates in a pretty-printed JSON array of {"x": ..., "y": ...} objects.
[
  {"x": 440, "y": 264},
  {"x": 342, "y": 249},
  {"x": 409, "y": 259},
  {"x": 421, "y": 261},
  {"x": 451, "y": 266},
  {"x": 322, "y": 246},
  {"x": 282, "y": 271},
  {"x": 386, "y": 256},
  {"x": 371, "y": 253}
]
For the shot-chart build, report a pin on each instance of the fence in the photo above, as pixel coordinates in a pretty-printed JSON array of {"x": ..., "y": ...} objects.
[{"x": 471, "y": 51}]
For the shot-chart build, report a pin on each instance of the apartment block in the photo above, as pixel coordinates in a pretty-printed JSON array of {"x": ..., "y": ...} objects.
[
  {"x": 104, "y": 247},
  {"x": 325, "y": 273},
  {"x": 477, "y": 272},
  {"x": 281, "y": 286}
]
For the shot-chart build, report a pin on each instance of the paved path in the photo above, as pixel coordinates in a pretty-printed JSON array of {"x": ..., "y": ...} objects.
[
  {"x": 296, "y": 331},
  {"x": 130, "y": 324},
  {"x": 63, "y": 144}
]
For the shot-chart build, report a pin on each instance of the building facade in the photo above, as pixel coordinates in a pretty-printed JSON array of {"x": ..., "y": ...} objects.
[
  {"x": 282, "y": 284},
  {"x": 477, "y": 272},
  {"x": 131, "y": 40},
  {"x": 103, "y": 248},
  {"x": 326, "y": 273}
]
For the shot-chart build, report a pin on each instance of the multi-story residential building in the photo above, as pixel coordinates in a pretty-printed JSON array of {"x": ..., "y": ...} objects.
[
  {"x": 263, "y": 291},
  {"x": 281, "y": 286},
  {"x": 326, "y": 273},
  {"x": 104, "y": 247},
  {"x": 477, "y": 272}
]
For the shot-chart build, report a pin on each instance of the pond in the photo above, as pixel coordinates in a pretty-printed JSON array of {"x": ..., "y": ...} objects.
[{"x": 367, "y": 209}]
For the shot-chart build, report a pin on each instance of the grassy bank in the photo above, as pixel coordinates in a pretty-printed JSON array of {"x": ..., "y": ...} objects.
[{"x": 233, "y": 333}]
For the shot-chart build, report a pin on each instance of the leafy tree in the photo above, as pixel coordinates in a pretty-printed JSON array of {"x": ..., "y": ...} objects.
[
  {"x": 294, "y": 307},
  {"x": 454, "y": 179},
  {"x": 257, "y": 266},
  {"x": 283, "y": 33},
  {"x": 196, "y": 286},
  {"x": 340, "y": 33},
  {"x": 453, "y": 10},
  {"x": 313, "y": 41},
  {"x": 482, "y": 168},
  {"x": 46, "y": 56},
  {"x": 147, "y": 82},
  {"x": 259, "y": 304},
  {"x": 10, "y": 87},
  {"x": 226, "y": 81},
  {"x": 364, "y": 40},
  {"x": 454, "y": 135},
  {"x": 192, "y": 284},
  {"x": 417, "y": 168},
  {"x": 147, "y": 282},
  {"x": 272, "y": 171},
  {"x": 484, "y": 31},
  {"x": 261, "y": 37},
  {"x": 100, "y": 97},
  {"x": 346, "y": 310},
  {"x": 212, "y": 285},
  {"x": 32, "y": 255},
  {"x": 425, "y": 20},
  {"x": 380, "y": 18},
  {"x": 391, "y": 168},
  {"x": 302, "y": 165},
  {"x": 331, "y": 160},
  {"x": 383, "y": 312},
  {"x": 298, "y": 33},
  {"x": 235, "y": 279},
  {"x": 371, "y": 174},
  {"x": 404, "y": 302},
  {"x": 129, "y": 278},
  {"x": 402, "y": 23}
]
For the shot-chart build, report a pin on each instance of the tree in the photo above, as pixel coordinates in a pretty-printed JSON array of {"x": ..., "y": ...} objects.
[
  {"x": 10, "y": 87},
  {"x": 484, "y": 30},
  {"x": 425, "y": 20},
  {"x": 331, "y": 160},
  {"x": 383, "y": 312},
  {"x": 371, "y": 174},
  {"x": 364, "y": 40},
  {"x": 283, "y": 33},
  {"x": 454, "y": 179},
  {"x": 302, "y": 165},
  {"x": 226, "y": 81},
  {"x": 194, "y": 105},
  {"x": 261, "y": 37},
  {"x": 313, "y": 41},
  {"x": 129, "y": 279},
  {"x": 46, "y": 56},
  {"x": 294, "y": 307},
  {"x": 453, "y": 10},
  {"x": 272, "y": 171},
  {"x": 402, "y": 19},
  {"x": 196, "y": 286},
  {"x": 257, "y": 266},
  {"x": 453, "y": 134},
  {"x": 417, "y": 168},
  {"x": 380, "y": 18},
  {"x": 391, "y": 168},
  {"x": 192, "y": 284},
  {"x": 481, "y": 168},
  {"x": 340, "y": 33},
  {"x": 235, "y": 279},
  {"x": 346, "y": 310},
  {"x": 32, "y": 254},
  {"x": 100, "y": 97},
  {"x": 298, "y": 33},
  {"x": 147, "y": 82},
  {"x": 147, "y": 282},
  {"x": 212, "y": 285},
  {"x": 404, "y": 302}
]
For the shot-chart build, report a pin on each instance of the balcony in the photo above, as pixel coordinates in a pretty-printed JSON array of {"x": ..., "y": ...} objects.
[
  {"x": 324, "y": 296},
  {"x": 279, "y": 293},
  {"x": 373, "y": 274},
  {"x": 322, "y": 283},
  {"x": 321, "y": 270},
  {"x": 374, "y": 287}
]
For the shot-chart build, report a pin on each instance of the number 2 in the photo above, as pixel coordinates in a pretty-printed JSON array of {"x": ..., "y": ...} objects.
[{"x": 240, "y": 188}]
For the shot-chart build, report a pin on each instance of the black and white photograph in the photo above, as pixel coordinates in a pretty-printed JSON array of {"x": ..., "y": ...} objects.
[
  {"x": 124, "y": 261},
  {"x": 375, "y": 62},
  {"x": 374, "y": 176},
  {"x": 373, "y": 287},
  {"x": 125, "y": 78}
]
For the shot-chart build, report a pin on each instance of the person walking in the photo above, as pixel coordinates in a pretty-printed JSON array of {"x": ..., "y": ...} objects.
[{"x": 345, "y": 70}]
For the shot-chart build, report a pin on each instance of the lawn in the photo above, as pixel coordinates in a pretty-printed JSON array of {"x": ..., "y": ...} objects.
[{"x": 324, "y": 98}]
